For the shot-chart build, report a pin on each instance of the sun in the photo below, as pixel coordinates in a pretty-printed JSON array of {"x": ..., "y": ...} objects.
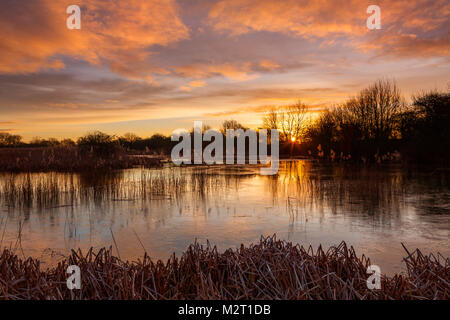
[{"x": 293, "y": 139}]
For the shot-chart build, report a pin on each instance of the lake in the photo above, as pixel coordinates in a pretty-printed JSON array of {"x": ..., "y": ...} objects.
[{"x": 162, "y": 211}]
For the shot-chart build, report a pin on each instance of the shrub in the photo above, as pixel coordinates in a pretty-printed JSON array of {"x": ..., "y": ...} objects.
[{"x": 99, "y": 143}]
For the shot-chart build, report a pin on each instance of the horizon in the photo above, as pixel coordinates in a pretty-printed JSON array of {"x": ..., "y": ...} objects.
[
  {"x": 152, "y": 67},
  {"x": 235, "y": 151}
]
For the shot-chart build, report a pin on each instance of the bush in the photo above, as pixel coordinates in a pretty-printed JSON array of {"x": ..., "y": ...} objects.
[
  {"x": 99, "y": 143},
  {"x": 425, "y": 128},
  {"x": 9, "y": 140}
]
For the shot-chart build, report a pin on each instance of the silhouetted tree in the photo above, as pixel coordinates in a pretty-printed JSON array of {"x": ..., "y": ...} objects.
[
  {"x": 375, "y": 109},
  {"x": 270, "y": 119},
  {"x": 292, "y": 121},
  {"x": 159, "y": 143},
  {"x": 289, "y": 120},
  {"x": 231, "y": 124},
  {"x": 130, "y": 141},
  {"x": 9, "y": 140},
  {"x": 425, "y": 128},
  {"x": 99, "y": 143}
]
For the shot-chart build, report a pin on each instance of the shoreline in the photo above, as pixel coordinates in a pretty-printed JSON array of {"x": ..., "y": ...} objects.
[{"x": 71, "y": 160}]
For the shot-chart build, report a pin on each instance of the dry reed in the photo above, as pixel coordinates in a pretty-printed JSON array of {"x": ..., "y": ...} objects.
[
  {"x": 67, "y": 159},
  {"x": 272, "y": 269}
]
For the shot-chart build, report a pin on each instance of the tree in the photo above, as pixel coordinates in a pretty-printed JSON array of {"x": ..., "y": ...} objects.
[
  {"x": 9, "y": 140},
  {"x": 270, "y": 120},
  {"x": 100, "y": 143},
  {"x": 425, "y": 129},
  {"x": 295, "y": 116},
  {"x": 290, "y": 120},
  {"x": 231, "y": 124},
  {"x": 67, "y": 142},
  {"x": 159, "y": 142},
  {"x": 364, "y": 125},
  {"x": 375, "y": 110},
  {"x": 324, "y": 130},
  {"x": 130, "y": 141},
  {"x": 130, "y": 137}
]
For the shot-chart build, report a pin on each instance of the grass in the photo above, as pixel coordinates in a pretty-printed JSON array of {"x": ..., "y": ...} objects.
[
  {"x": 52, "y": 189},
  {"x": 270, "y": 269},
  {"x": 68, "y": 159},
  {"x": 48, "y": 190}
]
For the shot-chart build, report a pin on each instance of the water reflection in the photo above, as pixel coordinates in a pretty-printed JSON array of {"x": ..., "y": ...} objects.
[{"x": 166, "y": 209}]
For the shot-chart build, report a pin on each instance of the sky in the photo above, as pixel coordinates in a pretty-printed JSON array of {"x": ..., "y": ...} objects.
[{"x": 148, "y": 66}]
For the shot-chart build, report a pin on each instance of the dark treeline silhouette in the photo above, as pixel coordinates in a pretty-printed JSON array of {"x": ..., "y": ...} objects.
[
  {"x": 94, "y": 151},
  {"x": 97, "y": 142},
  {"x": 425, "y": 128},
  {"x": 374, "y": 126},
  {"x": 362, "y": 128}
]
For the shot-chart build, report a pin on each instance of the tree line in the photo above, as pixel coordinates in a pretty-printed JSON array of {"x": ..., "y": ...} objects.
[{"x": 375, "y": 125}]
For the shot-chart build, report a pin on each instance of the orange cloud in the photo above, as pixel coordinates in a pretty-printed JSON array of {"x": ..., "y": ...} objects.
[
  {"x": 197, "y": 84},
  {"x": 292, "y": 44},
  {"x": 296, "y": 17},
  {"x": 193, "y": 84},
  {"x": 186, "y": 88},
  {"x": 233, "y": 71},
  {"x": 268, "y": 64},
  {"x": 408, "y": 45},
  {"x": 418, "y": 28},
  {"x": 260, "y": 109},
  {"x": 117, "y": 34}
]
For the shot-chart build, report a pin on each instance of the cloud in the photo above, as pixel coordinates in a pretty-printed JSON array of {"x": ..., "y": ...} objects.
[
  {"x": 295, "y": 17},
  {"x": 261, "y": 109},
  {"x": 64, "y": 92},
  {"x": 276, "y": 94},
  {"x": 416, "y": 29},
  {"x": 235, "y": 71},
  {"x": 193, "y": 84},
  {"x": 197, "y": 84},
  {"x": 186, "y": 88},
  {"x": 238, "y": 111},
  {"x": 126, "y": 36},
  {"x": 268, "y": 64},
  {"x": 142, "y": 59},
  {"x": 409, "y": 29},
  {"x": 116, "y": 34},
  {"x": 232, "y": 71}
]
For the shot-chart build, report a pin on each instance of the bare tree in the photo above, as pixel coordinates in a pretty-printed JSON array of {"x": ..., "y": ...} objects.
[
  {"x": 270, "y": 119},
  {"x": 292, "y": 121},
  {"x": 375, "y": 109},
  {"x": 289, "y": 120},
  {"x": 231, "y": 124},
  {"x": 7, "y": 139},
  {"x": 130, "y": 137}
]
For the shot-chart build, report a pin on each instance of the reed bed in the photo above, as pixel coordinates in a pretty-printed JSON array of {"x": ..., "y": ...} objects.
[
  {"x": 270, "y": 269},
  {"x": 53, "y": 189},
  {"x": 68, "y": 159}
]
